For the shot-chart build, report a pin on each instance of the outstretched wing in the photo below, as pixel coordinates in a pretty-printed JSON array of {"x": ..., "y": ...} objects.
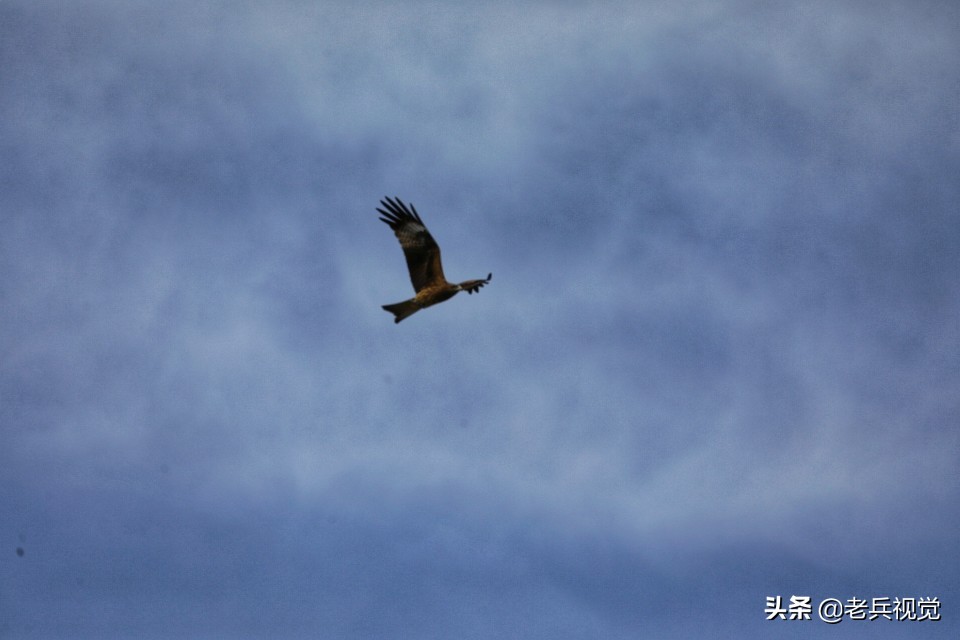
[
  {"x": 419, "y": 247},
  {"x": 473, "y": 286}
]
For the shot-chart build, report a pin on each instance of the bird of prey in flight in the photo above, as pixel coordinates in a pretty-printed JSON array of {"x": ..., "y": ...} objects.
[{"x": 423, "y": 261}]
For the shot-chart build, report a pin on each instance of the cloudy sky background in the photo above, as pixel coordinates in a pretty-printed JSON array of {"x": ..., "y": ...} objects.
[{"x": 718, "y": 359}]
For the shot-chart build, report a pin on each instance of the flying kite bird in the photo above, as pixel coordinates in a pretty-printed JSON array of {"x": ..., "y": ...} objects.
[{"x": 423, "y": 261}]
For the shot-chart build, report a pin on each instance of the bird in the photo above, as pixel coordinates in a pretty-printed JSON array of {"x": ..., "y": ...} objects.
[{"x": 423, "y": 261}]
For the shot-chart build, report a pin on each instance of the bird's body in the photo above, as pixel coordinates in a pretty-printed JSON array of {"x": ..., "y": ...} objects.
[{"x": 423, "y": 261}]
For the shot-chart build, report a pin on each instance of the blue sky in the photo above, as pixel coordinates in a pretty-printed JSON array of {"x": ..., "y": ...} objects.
[{"x": 718, "y": 360}]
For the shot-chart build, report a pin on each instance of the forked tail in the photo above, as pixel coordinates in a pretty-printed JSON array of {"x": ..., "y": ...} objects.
[{"x": 401, "y": 310}]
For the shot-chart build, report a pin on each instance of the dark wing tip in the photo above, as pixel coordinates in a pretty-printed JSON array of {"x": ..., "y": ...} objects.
[
  {"x": 474, "y": 286},
  {"x": 397, "y": 211}
]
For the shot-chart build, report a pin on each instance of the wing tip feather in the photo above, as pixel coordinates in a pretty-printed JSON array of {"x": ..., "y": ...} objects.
[{"x": 398, "y": 212}]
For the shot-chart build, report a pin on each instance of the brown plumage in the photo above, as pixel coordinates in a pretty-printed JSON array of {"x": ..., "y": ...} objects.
[{"x": 423, "y": 261}]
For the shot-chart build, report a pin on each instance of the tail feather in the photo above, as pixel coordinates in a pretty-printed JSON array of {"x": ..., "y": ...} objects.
[{"x": 402, "y": 310}]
